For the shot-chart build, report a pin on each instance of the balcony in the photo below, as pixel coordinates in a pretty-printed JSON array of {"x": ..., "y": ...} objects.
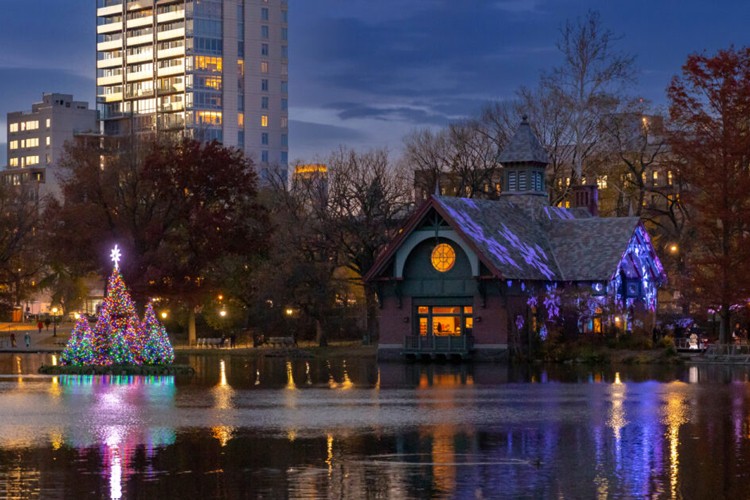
[{"x": 438, "y": 347}]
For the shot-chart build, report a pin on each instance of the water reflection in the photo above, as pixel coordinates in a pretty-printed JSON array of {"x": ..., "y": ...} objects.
[{"x": 344, "y": 428}]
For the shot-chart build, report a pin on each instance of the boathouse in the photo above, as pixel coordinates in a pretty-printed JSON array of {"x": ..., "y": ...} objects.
[{"x": 471, "y": 278}]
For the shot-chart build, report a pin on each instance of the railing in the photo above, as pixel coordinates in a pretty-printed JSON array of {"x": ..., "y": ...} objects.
[
  {"x": 438, "y": 344},
  {"x": 728, "y": 350}
]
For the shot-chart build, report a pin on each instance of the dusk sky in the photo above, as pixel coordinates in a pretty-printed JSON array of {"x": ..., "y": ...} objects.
[{"x": 364, "y": 73}]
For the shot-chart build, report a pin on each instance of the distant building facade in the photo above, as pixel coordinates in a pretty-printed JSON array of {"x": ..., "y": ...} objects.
[
  {"x": 210, "y": 69},
  {"x": 36, "y": 138}
]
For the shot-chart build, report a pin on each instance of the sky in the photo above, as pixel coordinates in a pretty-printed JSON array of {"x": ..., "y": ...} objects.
[{"x": 365, "y": 73}]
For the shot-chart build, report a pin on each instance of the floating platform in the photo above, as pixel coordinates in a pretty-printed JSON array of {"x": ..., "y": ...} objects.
[{"x": 117, "y": 370}]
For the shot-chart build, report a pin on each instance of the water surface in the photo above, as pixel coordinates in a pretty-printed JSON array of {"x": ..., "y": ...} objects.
[{"x": 272, "y": 428}]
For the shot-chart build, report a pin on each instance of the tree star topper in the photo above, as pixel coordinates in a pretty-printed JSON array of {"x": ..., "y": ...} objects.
[{"x": 115, "y": 256}]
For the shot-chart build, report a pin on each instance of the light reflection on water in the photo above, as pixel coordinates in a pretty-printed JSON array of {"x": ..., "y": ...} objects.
[{"x": 348, "y": 429}]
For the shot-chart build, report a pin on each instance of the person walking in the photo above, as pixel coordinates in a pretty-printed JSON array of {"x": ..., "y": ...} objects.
[
  {"x": 13, "y": 340},
  {"x": 47, "y": 322},
  {"x": 27, "y": 339},
  {"x": 40, "y": 325}
]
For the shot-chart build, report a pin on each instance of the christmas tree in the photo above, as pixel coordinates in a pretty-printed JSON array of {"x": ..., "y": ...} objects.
[
  {"x": 79, "y": 349},
  {"x": 158, "y": 349},
  {"x": 119, "y": 337}
]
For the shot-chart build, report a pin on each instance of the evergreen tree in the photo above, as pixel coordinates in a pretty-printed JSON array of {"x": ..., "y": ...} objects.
[
  {"x": 79, "y": 349},
  {"x": 158, "y": 348}
]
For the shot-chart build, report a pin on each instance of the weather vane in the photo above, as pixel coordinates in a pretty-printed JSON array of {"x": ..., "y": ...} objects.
[{"x": 115, "y": 256}]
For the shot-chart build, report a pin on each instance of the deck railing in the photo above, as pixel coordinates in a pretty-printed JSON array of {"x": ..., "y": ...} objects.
[{"x": 438, "y": 344}]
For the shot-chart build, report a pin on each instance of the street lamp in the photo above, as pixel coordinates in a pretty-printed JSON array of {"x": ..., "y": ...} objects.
[{"x": 54, "y": 321}]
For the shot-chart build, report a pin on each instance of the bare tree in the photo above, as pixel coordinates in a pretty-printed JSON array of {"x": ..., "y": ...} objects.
[{"x": 587, "y": 85}]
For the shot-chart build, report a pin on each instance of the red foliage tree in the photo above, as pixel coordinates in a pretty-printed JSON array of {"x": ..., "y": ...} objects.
[
  {"x": 175, "y": 208},
  {"x": 709, "y": 105}
]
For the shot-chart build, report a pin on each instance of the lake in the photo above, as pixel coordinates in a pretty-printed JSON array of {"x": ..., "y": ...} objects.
[{"x": 274, "y": 428}]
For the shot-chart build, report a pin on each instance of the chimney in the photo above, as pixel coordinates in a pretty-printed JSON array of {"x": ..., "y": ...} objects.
[{"x": 587, "y": 196}]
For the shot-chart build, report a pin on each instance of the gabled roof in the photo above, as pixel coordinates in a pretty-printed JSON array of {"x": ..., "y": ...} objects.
[
  {"x": 557, "y": 245},
  {"x": 524, "y": 147}
]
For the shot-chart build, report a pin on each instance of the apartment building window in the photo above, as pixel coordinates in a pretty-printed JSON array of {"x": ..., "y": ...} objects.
[
  {"x": 284, "y": 34},
  {"x": 670, "y": 178},
  {"x": 284, "y": 140},
  {"x": 601, "y": 182},
  {"x": 655, "y": 177},
  {"x": 48, "y": 158},
  {"x": 284, "y": 16},
  {"x": 47, "y": 141},
  {"x": 13, "y": 127},
  {"x": 264, "y": 156},
  {"x": 284, "y": 104},
  {"x": 285, "y": 51},
  {"x": 284, "y": 157},
  {"x": 264, "y": 85},
  {"x": 264, "y": 102},
  {"x": 241, "y": 120},
  {"x": 263, "y": 120},
  {"x": 13, "y": 145},
  {"x": 264, "y": 49},
  {"x": 284, "y": 122},
  {"x": 264, "y": 138},
  {"x": 264, "y": 67},
  {"x": 48, "y": 122},
  {"x": 264, "y": 31},
  {"x": 13, "y": 162},
  {"x": 264, "y": 14},
  {"x": 284, "y": 87}
]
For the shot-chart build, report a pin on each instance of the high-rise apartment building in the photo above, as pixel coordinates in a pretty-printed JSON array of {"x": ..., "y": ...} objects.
[
  {"x": 212, "y": 69},
  {"x": 36, "y": 138}
]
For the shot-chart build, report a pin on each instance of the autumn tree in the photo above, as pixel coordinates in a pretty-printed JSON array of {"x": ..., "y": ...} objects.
[
  {"x": 709, "y": 105},
  {"x": 175, "y": 208}
]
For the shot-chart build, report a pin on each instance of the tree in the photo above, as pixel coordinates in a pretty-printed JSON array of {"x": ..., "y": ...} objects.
[
  {"x": 176, "y": 209},
  {"x": 367, "y": 202},
  {"x": 20, "y": 258},
  {"x": 588, "y": 84},
  {"x": 709, "y": 105}
]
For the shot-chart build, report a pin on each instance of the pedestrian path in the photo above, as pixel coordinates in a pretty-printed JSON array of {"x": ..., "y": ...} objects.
[{"x": 26, "y": 337}]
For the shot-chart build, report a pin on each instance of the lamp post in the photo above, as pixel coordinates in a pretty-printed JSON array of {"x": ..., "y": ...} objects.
[{"x": 54, "y": 321}]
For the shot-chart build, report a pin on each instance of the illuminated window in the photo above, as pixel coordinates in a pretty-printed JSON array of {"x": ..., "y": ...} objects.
[
  {"x": 670, "y": 178},
  {"x": 208, "y": 117},
  {"x": 13, "y": 144},
  {"x": 206, "y": 63},
  {"x": 241, "y": 120},
  {"x": 13, "y": 127},
  {"x": 601, "y": 182},
  {"x": 13, "y": 162},
  {"x": 284, "y": 122},
  {"x": 443, "y": 257},
  {"x": 263, "y": 120},
  {"x": 48, "y": 122},
  {"x": 655, "y": 177},
  {"x": 264, "y": 67},
  {"x": 46, "y": 141}
]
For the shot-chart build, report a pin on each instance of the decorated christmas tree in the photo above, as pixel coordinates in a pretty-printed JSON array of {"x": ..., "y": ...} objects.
[
  {"x": 119, "y": 337},
  {"x": 79, "y": 350},
  {"x": 158, "y": 348}
]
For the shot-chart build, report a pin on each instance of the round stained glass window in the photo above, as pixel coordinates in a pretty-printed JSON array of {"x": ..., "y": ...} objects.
[{"x": 443, "y": 257}]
